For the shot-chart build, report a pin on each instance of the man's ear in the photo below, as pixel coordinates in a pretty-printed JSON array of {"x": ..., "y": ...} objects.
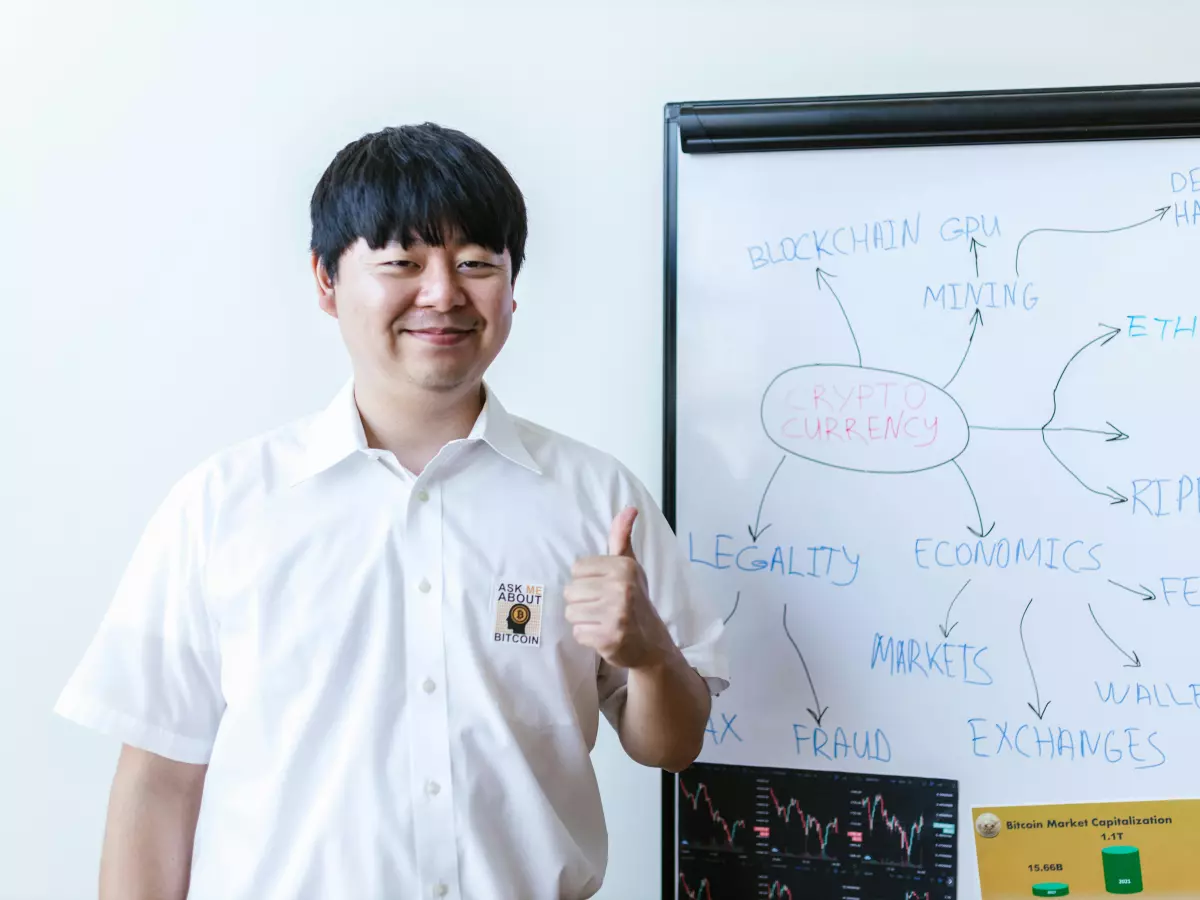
[{"x": 325, "y": 292}]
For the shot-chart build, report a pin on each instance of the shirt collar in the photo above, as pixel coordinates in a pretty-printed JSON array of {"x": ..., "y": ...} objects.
[
  {"x": 499, "y": 430},
  {"x": 337, "y": 432}
]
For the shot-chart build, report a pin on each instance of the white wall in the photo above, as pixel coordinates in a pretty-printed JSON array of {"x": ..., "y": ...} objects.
[{"x": 155, "y": 166}]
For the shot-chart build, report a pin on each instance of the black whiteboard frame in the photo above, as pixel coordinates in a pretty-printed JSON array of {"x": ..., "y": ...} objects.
[{"x": 1129, "y": 112}]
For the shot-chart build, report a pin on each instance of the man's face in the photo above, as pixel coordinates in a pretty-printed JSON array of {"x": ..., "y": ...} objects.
[{"x": 430, "y": 317}]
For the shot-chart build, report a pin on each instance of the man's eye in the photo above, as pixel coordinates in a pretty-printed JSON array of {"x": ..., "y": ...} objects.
[
  {"x": 400, "y": 263},
  {"x": 476, "y": 264}
]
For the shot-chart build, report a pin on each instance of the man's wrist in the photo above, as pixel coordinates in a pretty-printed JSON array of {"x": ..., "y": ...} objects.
[{"x": 661, "y": 658}]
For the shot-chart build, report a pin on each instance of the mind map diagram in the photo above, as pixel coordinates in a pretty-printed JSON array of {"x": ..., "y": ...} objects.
[{"x": 841, "y": 414}]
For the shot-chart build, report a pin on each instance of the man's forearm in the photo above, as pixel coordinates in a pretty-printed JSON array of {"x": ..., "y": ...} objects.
[
  {"x": 665, "y": 713},
  {"x": 151, "y": 824}
]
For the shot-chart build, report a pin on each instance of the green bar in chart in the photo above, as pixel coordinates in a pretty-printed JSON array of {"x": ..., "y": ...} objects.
[
  {"x": 1051, "y": 889},
  {"x": 1122, "y": 870}
]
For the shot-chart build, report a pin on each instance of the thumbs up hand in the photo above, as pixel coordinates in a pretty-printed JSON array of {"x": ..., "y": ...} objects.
[
  {"x": 620, "y": 533},
  {"x": 608, "y": 603}
]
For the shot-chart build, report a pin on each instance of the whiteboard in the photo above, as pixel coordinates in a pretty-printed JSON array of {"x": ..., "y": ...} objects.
[{"x": 935, "y": 453}]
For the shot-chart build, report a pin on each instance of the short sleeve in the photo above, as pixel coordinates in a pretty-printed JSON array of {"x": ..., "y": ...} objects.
[
  {"x": 151, "y": 674},
  {"x": 692, "y": 619}
]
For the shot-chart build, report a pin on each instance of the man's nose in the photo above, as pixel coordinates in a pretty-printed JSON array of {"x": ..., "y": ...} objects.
[{"x": 439, "y": 287}]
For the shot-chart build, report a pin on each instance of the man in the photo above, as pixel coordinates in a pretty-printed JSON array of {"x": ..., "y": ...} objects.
[{"x": 363, "y": 655}]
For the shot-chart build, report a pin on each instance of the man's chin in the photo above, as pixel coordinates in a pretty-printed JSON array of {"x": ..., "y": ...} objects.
[{"x": 440, "y": 380}]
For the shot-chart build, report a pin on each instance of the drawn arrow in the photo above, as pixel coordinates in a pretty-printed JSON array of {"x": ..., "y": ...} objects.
[
  {"x": 1134, "y": 662},
  {"x": 1145, "y": 593},
  {"x": 822, "y": 284},
  {"x": 980, "y": 533},
  {"x": 817, "y": 716},
  {"x": 1111, "y": 434},
  {"x": 755, "y": 530},
  {"x": 1116, "y": 434},
  {"x": 1039, "y": 709},
  {"x": 1114, "y": 496},
  {"x": 947, "y": 628},
  {"x": 974, "y": 248},
  {"x": 736, "y": 601},
  {"x": 976, "y": 321},
  {"x": 1157, "y": 217}
]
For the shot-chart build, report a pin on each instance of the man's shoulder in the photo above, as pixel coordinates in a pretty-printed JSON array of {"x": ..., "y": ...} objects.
[
  {"x": 569, "y": 459},
  {"x": 556, "y": 450},
  {"x": 544, "y": 442},
  {"x": 248, "y": 467}
]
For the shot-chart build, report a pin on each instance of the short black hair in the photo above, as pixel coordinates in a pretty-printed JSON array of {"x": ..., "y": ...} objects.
[{"x": 417, "y": 182}]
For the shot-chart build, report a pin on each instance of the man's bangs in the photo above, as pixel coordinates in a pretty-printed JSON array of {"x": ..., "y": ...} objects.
[{"x": 413, "y": 213}]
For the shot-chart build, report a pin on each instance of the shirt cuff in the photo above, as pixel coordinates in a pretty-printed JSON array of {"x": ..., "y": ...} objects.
[
  {"x": 711, "y": 666},
  {"x": 129, "y": 730}
]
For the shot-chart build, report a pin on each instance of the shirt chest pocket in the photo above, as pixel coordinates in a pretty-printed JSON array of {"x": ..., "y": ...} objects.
[{"x": 541, "y": 676}]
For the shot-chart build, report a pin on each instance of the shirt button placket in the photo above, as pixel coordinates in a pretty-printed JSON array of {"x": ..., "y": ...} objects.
[{"x": 428, "y": 739}]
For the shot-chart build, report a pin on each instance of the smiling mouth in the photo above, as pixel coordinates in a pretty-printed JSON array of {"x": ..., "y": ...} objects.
[{"x": 440, "y": 337}]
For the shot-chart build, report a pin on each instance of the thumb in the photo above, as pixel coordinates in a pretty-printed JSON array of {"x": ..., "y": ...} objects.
[{"x": 620, "y": 534}]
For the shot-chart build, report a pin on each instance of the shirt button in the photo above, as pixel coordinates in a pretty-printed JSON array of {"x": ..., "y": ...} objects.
[
  {"x": 429, "y": 686},
  {"x": 440, "y": 890},
  {"x": 424, "y": 586},
  {"x": 432, "y": 788},
  {"x": 423, "y": 496}
]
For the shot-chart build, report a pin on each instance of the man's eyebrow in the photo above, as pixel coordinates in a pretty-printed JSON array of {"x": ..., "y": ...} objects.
[{"x": 458, "y": 243}]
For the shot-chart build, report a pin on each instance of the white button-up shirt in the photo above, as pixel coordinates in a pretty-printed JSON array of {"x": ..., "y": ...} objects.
[{"x": 375, "y": 666}]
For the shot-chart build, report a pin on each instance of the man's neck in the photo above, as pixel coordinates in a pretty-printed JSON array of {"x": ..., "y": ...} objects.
[{"x": 415, "y": 424}]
